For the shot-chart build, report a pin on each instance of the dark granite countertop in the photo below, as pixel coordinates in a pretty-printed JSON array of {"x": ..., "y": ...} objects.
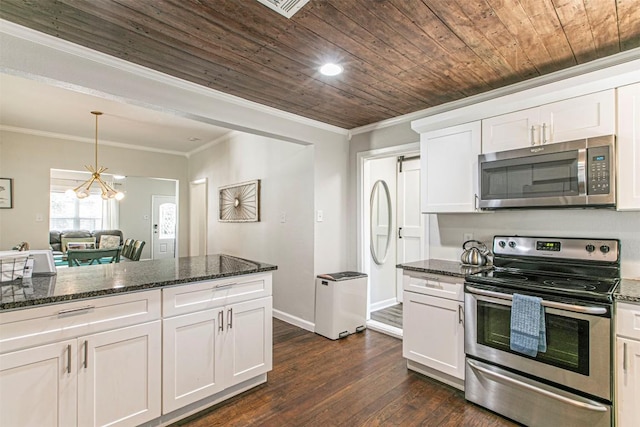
[
  {"x": 99, "y": 280},
  {"x": 446, "y": 268},
  {"x": 628, "y": 291}
]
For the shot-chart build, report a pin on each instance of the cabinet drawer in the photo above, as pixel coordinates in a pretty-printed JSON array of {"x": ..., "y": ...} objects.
[
  {"x": 196, "y": 296},
  {"x": 628, "y": 320},
  {"x": 40, "y": 325},
  {"x": 435, "y": 285}
]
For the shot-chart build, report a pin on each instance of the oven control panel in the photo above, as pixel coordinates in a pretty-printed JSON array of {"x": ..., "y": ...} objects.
[{"x": 567, "y": 248}]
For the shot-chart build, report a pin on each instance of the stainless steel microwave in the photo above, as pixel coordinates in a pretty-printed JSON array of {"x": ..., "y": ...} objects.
[{"x": 565, "y": 174}]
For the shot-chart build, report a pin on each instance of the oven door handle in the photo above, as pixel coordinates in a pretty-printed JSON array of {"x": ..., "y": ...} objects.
[
  {"x": 550, "y": 304},
  {"x": 535, "y": 389}
]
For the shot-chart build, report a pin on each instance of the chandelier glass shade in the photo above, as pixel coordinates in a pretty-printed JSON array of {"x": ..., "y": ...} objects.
[{"x": 84, "y": 190}]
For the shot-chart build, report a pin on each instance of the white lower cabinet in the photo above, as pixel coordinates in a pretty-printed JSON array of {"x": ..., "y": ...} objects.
[
  {"x": 216, "y": 335},
  {"x": 627, "y": 365},
  {"x": 249, "y": 341},
  {"x": 44, "y": 374},
  {"x": 433, "y": 327},
  {"x": 208, "y": 351},
  {"x": 119, "y": 376},
  {"x": 191, "y": 352},
  {"x": 628, "y": 389},
  {"x": 116, "y": 361},
  {"x": 91, "y": 370},
  {"x": 110, "y": 378}
]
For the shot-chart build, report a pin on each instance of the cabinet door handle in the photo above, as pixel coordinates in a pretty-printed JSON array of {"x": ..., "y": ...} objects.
[
  {"x": 68, "y": 358},
  {"x": 544, "y": 133},
  {"x": 399, "y": 232},
  {"x": 228, "y": 285},
  {"x": 221, "y": 320},
  {"x": 85, "y": 363},
  {"x": 460, "y": 314},
  {"x": 533, "y": 137},
  {"x": 624, "y": 356},
  {"x": 230, "y": 319},
  {"x": 75, "y": 310},
  {"x": 475, "y": 201}
]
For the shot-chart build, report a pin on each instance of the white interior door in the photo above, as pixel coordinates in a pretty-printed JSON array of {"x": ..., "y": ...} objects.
[
  {"x": 198, "y": 218},
  {"x": 165, "y": 220},
  {"x": 410, "y": 221}
]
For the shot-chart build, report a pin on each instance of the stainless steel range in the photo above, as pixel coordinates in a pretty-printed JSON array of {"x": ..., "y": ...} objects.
[{"x": 570, "y": 382}]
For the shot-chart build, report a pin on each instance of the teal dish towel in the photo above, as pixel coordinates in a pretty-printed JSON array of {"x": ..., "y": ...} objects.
[{"x": 528, "y": 330}]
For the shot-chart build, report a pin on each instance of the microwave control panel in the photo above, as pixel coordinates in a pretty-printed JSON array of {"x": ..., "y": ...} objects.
[{"x": 598, "y": 170}]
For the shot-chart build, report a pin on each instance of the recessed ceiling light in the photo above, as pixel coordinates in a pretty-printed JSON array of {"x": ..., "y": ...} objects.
[
  {"x": 331, "y": 69},
  {"x": 194, "y": 139}
]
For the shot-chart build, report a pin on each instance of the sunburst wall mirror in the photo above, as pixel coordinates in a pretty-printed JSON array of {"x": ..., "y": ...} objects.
[{"x": 240, "y": 202}]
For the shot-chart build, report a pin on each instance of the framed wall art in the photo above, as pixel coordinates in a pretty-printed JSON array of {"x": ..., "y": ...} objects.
[
  {"x": 6, "y": 193},
  {"x": 240, "y": 202}
]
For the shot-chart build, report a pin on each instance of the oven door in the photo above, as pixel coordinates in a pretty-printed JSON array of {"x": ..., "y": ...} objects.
[{"x": 578, "y": 352}]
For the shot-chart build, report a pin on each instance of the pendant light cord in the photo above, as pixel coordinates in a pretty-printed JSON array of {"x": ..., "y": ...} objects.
[{"x": 96, "y": 113}]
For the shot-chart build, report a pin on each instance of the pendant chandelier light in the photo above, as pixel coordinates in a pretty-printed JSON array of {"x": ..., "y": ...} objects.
[{"x": 83, "y": 190}]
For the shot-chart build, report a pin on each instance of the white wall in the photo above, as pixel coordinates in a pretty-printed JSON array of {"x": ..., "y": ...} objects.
[
  {"x": 446, "y": 230},
  {"x": 28, "y": 159},
  {"x": 136, "y": 211},
  {"x": 286, "y": 171},
  {"x": 331, "y": 195}
]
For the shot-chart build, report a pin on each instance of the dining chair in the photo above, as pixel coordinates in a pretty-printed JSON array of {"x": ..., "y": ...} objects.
[
  {"x": 136, "y": 250},
  {"x": 127, "y": 248},
  {"x": 80, "y": 257}
]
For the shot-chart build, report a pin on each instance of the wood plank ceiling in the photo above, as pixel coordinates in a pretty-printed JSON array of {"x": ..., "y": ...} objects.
[{"x": 399, "y": 56}]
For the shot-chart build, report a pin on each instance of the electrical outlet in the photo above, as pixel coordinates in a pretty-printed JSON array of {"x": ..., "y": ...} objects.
[
  {"x": 467, "y": 236},
  {"x": 283, "y": 217}
]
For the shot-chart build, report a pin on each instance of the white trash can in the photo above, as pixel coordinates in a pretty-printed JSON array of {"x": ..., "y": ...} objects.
[{"x": 341, "y": 304}]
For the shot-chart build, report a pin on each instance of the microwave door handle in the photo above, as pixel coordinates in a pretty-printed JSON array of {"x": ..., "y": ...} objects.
[
  {"x": 582, "y": 171},
  {"x": 550, "y": 304}
]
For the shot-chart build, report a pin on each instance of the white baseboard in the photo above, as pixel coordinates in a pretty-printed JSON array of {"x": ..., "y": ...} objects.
[
  {"x": 374, "y": 325},
  {"x": 382, "y": 304},
  {"x": 293, "y": 320}
]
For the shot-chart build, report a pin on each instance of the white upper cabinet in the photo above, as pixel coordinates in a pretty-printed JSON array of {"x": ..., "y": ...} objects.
[
  {"x": 581, "y": 117},
  {"x": 509, "y": 131},
  {"x": 449, "y": 162},
  {"x": 628, "y": 145}
]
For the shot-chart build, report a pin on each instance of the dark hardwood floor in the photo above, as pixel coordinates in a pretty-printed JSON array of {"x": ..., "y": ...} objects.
[
  {"x": 361, "y": 380},
  {"x": 390, "y": 315}
]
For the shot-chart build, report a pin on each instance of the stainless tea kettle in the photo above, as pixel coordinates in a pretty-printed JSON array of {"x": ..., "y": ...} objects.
[{"x": 478, "y": 254}]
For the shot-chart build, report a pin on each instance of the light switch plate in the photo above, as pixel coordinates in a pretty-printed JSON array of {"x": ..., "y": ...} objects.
[{"x": 319, "y": 216}]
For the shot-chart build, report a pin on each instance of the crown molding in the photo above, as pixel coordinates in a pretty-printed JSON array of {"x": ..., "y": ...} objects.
[
  {"x": 227, "y": 136},
  {"x": 63, "y": 137}
]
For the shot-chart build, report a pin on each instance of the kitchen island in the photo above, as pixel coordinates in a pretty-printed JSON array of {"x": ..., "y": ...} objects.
[{"x": 144, "y": 343}]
